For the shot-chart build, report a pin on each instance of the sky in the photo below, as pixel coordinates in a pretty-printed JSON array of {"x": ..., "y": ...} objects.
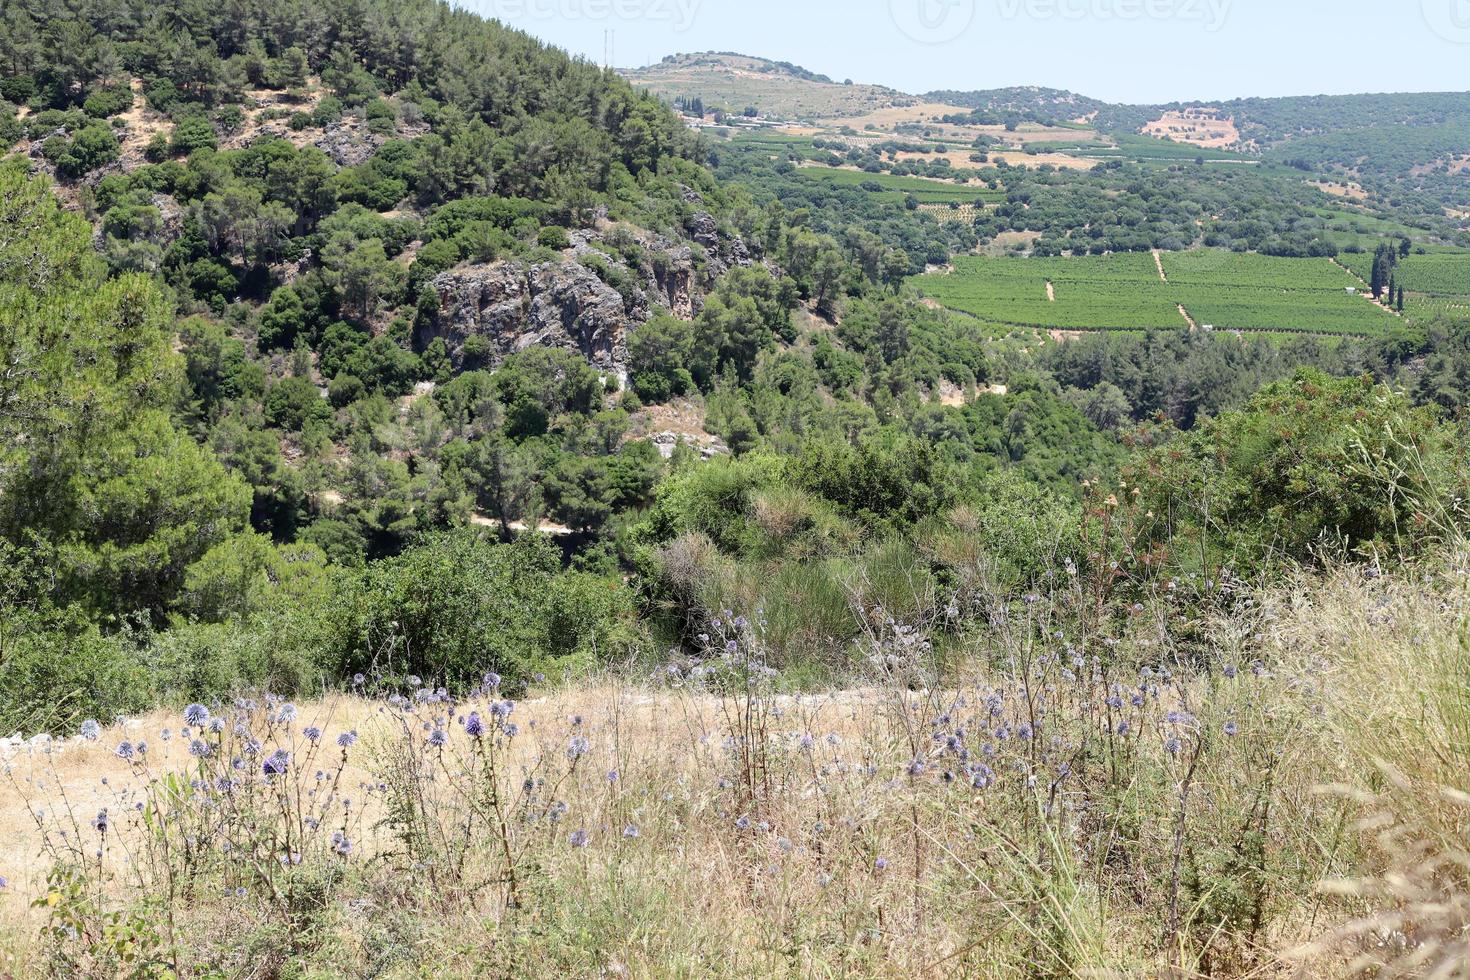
[{"x": 1140, "y": 51}]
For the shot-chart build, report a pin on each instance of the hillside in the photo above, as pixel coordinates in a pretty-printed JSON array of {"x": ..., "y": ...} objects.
[
  {"x": 464, "y": 513},
  {"x": 733, "y": 82}
]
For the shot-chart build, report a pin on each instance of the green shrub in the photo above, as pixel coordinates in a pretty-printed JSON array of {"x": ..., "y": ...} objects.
[{"x": 458, "y": 606}]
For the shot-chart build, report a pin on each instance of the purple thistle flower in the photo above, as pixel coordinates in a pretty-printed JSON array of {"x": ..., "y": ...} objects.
[
  {"x": 196, "y": 715},
  {"x": 358, "y": 680},
  {"x": 438, "y": 737},
  {"x": 474, "y": 727},
  {"x": 579, "y": 838},
  {"x": 91, "y": 730},
  {"x": 199, "y": 749},
  {"x": 492, "y": 680},
  {"x": 577, "y": 747},
  {"x": 313, "y": 733},
  {"x": 742, "y": 822},
  {"x": 880, "y": 864},
  {"x": 347, "y": 739},
  {"x": 276, "y": 764},
  {"x": 125, "y": 750},
  {"x": 630, "y": 831},
  {"x": 1172, "y": 746},
  {"x": 1230, "y": 729}
]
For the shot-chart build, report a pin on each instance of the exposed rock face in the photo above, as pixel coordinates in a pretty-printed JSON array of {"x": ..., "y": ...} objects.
[{"x": 554, "y": 304}]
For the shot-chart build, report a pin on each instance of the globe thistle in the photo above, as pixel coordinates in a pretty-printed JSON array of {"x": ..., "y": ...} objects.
[
  {"x": 579, "y": 838},
  {"x": 742, "y": 822},
  {"x": 358, "y": 680},
  {"x": 276, "y": 764},
  {"x": 125, "y": 750},
  {"x": 91, "y": 730},
  {"x": 1172, "y": 746},
  {"x": 880, "y": 863},
  {"x": 631, "y": 831},
  {"x": 1230, "y": 729},
  {"x": 199, "y": 749},
  {"x": 474, "y": 726},
  {"x": 492, "y": 681},
  {"x": 577, "y": 747},
  {"x": 347, "y": 739},
  {"x": 312, "y": 733},
  {"x": 196, "y": 715},
  {"x": 286, "y": 713},
  {"x": 1231, "y": 671},
  {"x": 438, "y": 737}
]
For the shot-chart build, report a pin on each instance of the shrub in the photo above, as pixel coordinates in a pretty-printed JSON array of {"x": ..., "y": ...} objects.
[{"x": 458, "y": 606}]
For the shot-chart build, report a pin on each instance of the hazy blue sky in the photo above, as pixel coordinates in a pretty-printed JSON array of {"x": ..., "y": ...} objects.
[{"x": 1119, "y": 50}]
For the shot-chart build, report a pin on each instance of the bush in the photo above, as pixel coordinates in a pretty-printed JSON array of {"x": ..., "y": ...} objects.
[
  {"x": 459, "y": 606},
  {"x": 193, "y": 133}
]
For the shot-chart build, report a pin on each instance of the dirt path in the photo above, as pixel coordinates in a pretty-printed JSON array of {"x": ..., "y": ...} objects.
[
  {"x": 1187, "y": 318},
  {"x": 1159, "y": 263},
  {"x": 1051, "y": 292}
]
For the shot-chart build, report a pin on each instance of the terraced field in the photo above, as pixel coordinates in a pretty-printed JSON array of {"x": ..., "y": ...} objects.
[{"x": 1225, "y": 290}]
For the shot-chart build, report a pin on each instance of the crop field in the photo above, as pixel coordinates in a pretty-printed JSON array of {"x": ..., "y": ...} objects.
[
  {"x": 1244, "y": 291},
  {"x": 1431, "y": 274},
  {"x": 926, "y": 190},
  {"x": 1106, "y": 292},
  {"x": 1228, "y": 291}
]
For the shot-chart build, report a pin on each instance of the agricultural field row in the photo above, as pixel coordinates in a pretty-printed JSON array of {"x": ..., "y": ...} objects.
[
  {"x": 1225, "y": 290},
  {"x": 1434, "y": 274},
  {"x": 925, "y": 190}
]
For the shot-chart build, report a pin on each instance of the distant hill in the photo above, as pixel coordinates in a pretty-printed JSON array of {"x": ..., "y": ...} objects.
[{"x": 777, "y": 89}]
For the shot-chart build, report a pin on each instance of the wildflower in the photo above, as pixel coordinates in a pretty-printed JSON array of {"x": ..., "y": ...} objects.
[
  {"x": 1172, "y": 746},
  {"x": 125, "y": 750},
  {"x": 438, "y": 737},
  {"x": 357, "y": 680},
  {"x": 414, "y": 680},
  {"x": 512, "y": 730},
  {"x": 492, "y": 680},
  {"x": 612, "y": 775},
  {"x": 341, "y": 843},
  {"x": 91, "y": 730},
  {"x": 577, "y": 747},
  {"x": 276, "y": 764},
  {"x": 347, "y": 739},
  {"x": 579, "y": 838},
  {"x": 100, "y": 823},
  {"x": 784, "y": 843},
  {"x": 1123, "y": 728},
  {"x": 286, "y": 713},
  {"x": 807, "y": 742},
  {"x": 196, "y": 715},
  {"x": 474, "y": 727},
  {"x": 630, "y": 831},
  {"x": 240, "y": 892},
  {"x": 823, "y": 880},
  {"x": 916, "y": 767},
  {"x": 4, "y": 883},
  {"x": 1230, "y": 671},
  {"x": 880, "y": 863},
  {"x": 742, "y": 822},
  {"x": 502, "y": 709},
  {"x": 1230, "y": 729},
  {"x": 199, "y": 749},
  {"x": 312, "y": 732}
]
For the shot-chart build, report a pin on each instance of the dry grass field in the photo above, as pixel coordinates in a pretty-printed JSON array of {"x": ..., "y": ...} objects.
[{"x": 1296, "y": 811}]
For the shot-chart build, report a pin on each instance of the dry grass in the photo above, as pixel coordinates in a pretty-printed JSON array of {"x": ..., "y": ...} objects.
[{"x": 832, "y": 855}]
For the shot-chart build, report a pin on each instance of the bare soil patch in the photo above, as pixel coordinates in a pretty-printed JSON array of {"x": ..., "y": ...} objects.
[{"x": 1204, "y": 127}]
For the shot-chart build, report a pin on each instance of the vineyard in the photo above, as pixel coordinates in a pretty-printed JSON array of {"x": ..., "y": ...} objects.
[
  {"x": 1434, "y": 282},
  {"x": 1224, "y": 290},
  {"x": 925, "y": 190}
]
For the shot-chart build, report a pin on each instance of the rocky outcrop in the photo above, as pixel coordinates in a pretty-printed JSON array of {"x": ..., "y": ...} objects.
[{"x": 513, "y": 306}]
